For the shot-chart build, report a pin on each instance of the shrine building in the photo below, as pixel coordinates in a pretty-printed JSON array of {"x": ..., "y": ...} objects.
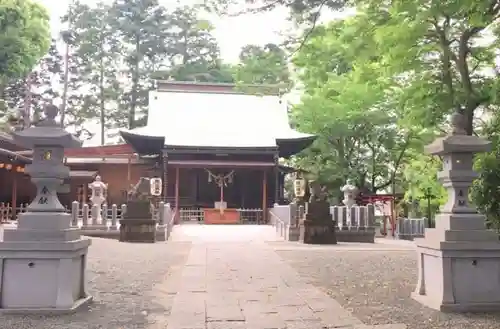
[{"x": 216, "y": 148}]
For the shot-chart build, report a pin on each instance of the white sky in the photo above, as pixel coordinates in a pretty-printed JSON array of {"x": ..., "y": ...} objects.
[{"x": 232, "y": 33}]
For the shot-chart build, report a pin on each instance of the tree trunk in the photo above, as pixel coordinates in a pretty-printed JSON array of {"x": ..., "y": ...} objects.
[
  {"x": 102, "y": 94},
  {"x": 135, "y": 86},
  {"x": 65, "y": 85}
]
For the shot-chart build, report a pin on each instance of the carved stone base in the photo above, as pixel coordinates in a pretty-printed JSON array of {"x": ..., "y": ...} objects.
[
  {"x": 138, "y": 209},
  {"x": 294, "y": 233},
  {"x": 363, "y": 236},
  {"x": 138, "y": 230},
  {"x": 319, "y": 232}
]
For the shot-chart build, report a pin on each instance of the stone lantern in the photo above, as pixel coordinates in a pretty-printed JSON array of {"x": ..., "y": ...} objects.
[
  {"x": 459, "y": 260},
  {"x": 98, "y": 189},
  {"x": 43, "y": 261},
  {"x": 350, "y": 192}
]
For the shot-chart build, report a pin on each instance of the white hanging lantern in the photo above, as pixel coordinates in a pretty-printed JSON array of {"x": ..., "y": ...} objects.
[
  {"x": 299, "y": 187},
  {"x": 155, "y": 185}
]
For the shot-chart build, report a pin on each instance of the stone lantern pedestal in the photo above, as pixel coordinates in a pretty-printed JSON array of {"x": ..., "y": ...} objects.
[
  {"x": 319, "y": 228},
  {"x": 43, "y": 261},
  {"x": 459, "y": 260}
]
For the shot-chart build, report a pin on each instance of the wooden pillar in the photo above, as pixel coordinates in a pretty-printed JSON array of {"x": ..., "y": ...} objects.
[
  {"x": 165, "y": 177},
  {"x": 264, "y": 196},
  {"x": 84, "y": 198},
  {"x": 177, "y": 219},
  {"x": 129, "y": 169},
  {"x": 14, "y": 196},
  {"x": 276, "y": 179}
]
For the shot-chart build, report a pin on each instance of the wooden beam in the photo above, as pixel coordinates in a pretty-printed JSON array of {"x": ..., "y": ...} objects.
[
  {"x": 14, "y": 196},
  {"x": 264, "y": 196},
  {"x": 177, "y": 219}
]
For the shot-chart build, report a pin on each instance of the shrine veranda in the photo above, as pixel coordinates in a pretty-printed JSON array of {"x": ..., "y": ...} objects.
[{"x": 212, "y": 169}]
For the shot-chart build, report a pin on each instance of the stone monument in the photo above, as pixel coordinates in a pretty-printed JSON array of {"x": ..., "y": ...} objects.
[
  {"x": 137, "y": 224},
  {"x": 98, "y": 191},
  {"x": 459, "y": 260},
  {"x": 43, "y": 261},
  {"x": 319, "y": 227}
]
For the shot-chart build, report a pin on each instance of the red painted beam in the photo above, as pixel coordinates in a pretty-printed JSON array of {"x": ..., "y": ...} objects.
[{"x": 105, "y": 150}]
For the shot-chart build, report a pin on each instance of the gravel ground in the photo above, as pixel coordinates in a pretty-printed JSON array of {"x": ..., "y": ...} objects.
[
  {"x": 375, "y": 285},
  {"x": 121, "y": 278}
]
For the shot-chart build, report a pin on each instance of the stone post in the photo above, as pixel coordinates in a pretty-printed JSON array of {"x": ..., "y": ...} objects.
[
  {"x": 370, "y": 213},
  {"x": 459, "y": 260},
  {"x": 75, "y": 205},
  {"x": 361, "y": 215},
  {"x": 40, "y": 257},
  {"x": 114, "y": 217},
  {"x": 161, "y": 230},
  {"x": 85, "y": 216}
]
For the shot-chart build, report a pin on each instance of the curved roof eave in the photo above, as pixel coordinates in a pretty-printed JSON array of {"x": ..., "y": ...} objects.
[
  {"x": 292, "y": 146},
  {"x": 142, "y": 143}
]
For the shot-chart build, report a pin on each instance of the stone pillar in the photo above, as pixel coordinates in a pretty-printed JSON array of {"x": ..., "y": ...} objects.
[
  {"x": 370, "y": 213},
  {"x": 161, "y": 229},
  {"x": 343, "y": 218},
  {"x": 40, "y": 257},
  {"x": 74, "y": 213},
  {"x": 459, "y": 260},
  {"x": 114, "y": 217}
]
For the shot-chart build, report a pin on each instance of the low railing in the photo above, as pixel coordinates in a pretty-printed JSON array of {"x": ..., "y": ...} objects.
[
  {"x": 410, "y": 228},
  {"x": 107, "y": 224},
  {"x": 353, "y": 224},
  {"x": 247, "y": 215},
  {"x": 355, "y": 218},
  {"x": 86, "y": 217},
  {"x": 285, "y": 219},
  {"x": 6, "y": 210},
  {"x": 251, "y": 216},
  {"x": 191, "y": 214}
]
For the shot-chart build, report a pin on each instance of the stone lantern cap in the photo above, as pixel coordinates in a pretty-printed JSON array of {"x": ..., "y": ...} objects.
[
  {"x": 348, "y": 187},
  {"x": 46, "y": 133},
  {"x": 457, "y": 141}
]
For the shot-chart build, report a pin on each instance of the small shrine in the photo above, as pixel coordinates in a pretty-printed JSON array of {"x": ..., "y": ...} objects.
[{"x": 220, "y": 213}]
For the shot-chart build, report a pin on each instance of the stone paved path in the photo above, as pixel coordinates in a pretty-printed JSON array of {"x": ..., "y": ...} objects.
[{"x": 234, "y": 280}]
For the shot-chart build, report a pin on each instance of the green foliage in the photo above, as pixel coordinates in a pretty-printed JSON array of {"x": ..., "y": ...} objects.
[
  {"x": 381, "y": 84},
  {"x": 263, "y": 65},
  {"x": 24, "y": 37},
  {"x": 347, "y": 104},
  {"x": 301, "y": 10},
  {"x": 485, "y": 192}
]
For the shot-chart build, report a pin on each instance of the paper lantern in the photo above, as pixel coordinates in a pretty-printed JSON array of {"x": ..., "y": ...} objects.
[
  {"x": 299, "y": 187},
  {"x": 8, "y": 167},
  {"x": 155, "y": 186}
]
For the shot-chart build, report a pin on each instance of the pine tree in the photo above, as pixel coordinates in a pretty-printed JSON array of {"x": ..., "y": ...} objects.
[{"x": 142, "y": 26}]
